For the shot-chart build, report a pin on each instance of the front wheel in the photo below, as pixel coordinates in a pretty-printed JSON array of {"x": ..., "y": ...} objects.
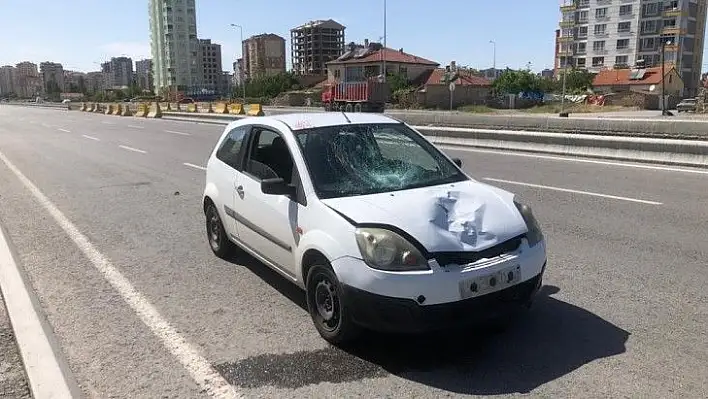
[
  {"x": 218, "y": 241},
  {"x": 327, "y": 307}
]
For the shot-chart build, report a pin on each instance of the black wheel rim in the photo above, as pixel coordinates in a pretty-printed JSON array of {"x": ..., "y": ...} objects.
[
  {"x": 327, "y": 305},
  {"x": 214, "y": 228}
]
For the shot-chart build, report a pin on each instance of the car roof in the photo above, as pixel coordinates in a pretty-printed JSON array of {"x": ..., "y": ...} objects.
[{"x": 307, "y": 120}]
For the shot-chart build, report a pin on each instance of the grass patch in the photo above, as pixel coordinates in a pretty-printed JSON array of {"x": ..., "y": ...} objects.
[{"x": 477, "y": 109}]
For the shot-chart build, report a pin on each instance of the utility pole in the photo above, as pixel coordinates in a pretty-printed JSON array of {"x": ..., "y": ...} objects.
[
  {"x": 663, "y": 77},
  {"x": 383, "y": 52},
  {"x": 243, "y": 65},
  {"x": 494, "y": 57}
]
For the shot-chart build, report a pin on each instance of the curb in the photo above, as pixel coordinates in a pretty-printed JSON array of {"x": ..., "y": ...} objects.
[{"x": 48, "y": 374}]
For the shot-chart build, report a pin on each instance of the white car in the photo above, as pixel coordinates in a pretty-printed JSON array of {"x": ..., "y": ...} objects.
[{"x": 379, "y": 227}]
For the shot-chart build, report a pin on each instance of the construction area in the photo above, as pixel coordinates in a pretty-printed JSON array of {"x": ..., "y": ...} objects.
[{"x": 314, "y": 44}]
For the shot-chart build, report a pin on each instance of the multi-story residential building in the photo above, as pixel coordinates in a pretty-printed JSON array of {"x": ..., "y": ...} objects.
[
  {"x": 52, "y": 74},
  {"x": 174, "y": 45},
  {"x": 143, "y": 74},
  {"x": 601, "y": 34},
  {"x": 27, "y": 79},
  {"x": 238, "y": 72},
  {"x": 118, "y": 72},
  {"x": 210, "y": 62},
  {"x": 74, "y": 82},
  {"x": 7, "y": 80},
  {"x": 96, "y": 82},
  {"x": 314, "y": 44},
  {"x": 263, "y": 55}
]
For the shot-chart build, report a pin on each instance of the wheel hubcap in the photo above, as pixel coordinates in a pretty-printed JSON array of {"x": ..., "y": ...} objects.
[
  {"x": 327, "y": 303},
  {"x": 214, "y": 232}
]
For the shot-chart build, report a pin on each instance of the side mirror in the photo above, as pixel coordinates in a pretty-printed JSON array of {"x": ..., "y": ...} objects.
[
  {"x": 276, "y": 186},
  {"x": 457, "y": 162}
]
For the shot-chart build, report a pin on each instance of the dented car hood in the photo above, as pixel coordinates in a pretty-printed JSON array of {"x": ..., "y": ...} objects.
[{"x": 464, "y": 216}]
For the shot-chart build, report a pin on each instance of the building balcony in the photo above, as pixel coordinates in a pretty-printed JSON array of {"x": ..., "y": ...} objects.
[
  {"x": 566, "y": 53},
  {"x": 673, "y": 13},
  {"x": 567, "y": 23},
  {"x": 565, "y": 39},
  {"x": 568, "y": 7},
  {"x": 671, "y": 48},
  {"x": 672, "y": 31}
]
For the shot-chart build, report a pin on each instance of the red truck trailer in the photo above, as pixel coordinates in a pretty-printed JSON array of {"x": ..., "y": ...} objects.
[{"x": 368, "y": 96}]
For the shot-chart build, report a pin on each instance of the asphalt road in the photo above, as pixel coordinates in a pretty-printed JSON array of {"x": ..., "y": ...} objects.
[{"x": 623, "y": 313}]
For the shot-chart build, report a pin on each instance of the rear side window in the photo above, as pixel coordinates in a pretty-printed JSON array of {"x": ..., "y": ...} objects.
[{"x": 230, "y": 149}]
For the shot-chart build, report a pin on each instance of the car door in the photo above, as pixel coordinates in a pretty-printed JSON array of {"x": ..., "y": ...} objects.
[
  {"x": 226, "y": 168},
  {"x": 268, "y": 223}
]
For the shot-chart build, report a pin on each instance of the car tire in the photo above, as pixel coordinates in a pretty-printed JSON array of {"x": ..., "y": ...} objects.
[
  {"x": 216, "y": 234},
  {"x": 328, "y": 308}
]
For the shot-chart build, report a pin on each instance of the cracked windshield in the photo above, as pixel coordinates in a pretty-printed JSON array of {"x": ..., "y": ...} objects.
[{"x": 232, "y": 199}]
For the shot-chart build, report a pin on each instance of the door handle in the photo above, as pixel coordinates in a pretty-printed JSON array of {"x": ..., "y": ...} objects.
[{"x": 239, "y": 190}]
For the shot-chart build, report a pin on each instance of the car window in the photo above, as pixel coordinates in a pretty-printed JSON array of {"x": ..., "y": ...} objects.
[
  {"x": 270, "y": 157},
  {"x": 231, "y": 147},
  {"x": 360, "y": 159}
]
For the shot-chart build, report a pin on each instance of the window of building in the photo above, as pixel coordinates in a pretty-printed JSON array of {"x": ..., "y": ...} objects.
[
  {"x": 583, "y": 16},
  {"x": 600, "y": 29},
  {"x": 624, "y": 27},
  {"x": 649, "y": 43},
  {"x": 650, "y": 9},
  {"x": 621, "y": 60},
  {"x": 598, "y": 61},
  {"x": 670, "y": 23},
  {"x": 583, "y": 3},
  {"x": 598, "y": 45},
  {"x": 583, "y": 31},
  {"x": 671, "y": 5},
  {"x": 580, "y": 62},
  {"x": 648, "y": 27},
  {"x": 582, "y": 48},
  {"x": 622, "y": 44},
  {"x": 601, "y": 12},
  {"x": 625, "y": 9}
]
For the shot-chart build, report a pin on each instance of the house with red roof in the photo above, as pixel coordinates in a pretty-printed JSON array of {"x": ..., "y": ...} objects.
[
  {"x": 470, "y": 89},
  {"x": 359, "y": 63},
  {"x": 644, "y": 80}
]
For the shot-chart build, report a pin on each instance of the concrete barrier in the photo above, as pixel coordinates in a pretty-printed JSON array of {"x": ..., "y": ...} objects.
[
  {"x": 142, "y": 110},
  {"x": 255, "y": 110},
  {"x": 109, "y": 109},
  {"x": 192, "y": 107},
  {"x": 236, "y": 109},
  {"x": 125, "y": 111},
  {"x": 221, "y": 108},
  {"x": 117, "y": 109},
  {"x": 155, "y": 111}
]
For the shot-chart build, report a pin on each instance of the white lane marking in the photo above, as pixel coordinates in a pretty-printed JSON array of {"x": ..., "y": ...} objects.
[
  {"x": 175, "y": 132},
  {"x": 567, "y": 190},
  {"x": 198, "y": 367},
  {"x": 91, "y": 137},
  {"x": 580, "y": 160},
  {"x": 108, "y": 123},
  {"x": 64, "y": 130},
  {"x": 125, "y": 147},
  {"x": 191, "y": 165},
  {"x": 136, "y": 127},
  {"x": 44, "y": 373}
]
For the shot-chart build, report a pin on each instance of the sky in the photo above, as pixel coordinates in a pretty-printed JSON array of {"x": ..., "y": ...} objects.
[{"x": 80, "y": 34}]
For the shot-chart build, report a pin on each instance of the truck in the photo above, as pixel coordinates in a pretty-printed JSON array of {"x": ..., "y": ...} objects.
[{"x": 366, "y": 96}]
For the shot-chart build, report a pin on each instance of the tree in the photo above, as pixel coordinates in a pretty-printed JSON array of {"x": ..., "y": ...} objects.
[
  {"x": 577, "y": 80},
  {"x": 514, "y": 82},
  {"x": 268, "y": 86}
]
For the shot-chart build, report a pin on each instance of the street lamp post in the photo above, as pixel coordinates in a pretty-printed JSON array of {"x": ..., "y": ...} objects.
[
  {"x": 664, "y": 112},
  {"x": 243, "y": 64},
  {"x": 383, "y": 52},
  {"x": 494, "y": 57}
]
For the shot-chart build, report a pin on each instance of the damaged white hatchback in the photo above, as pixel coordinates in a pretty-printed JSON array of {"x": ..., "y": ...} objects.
[{"x": 379, "y": 227}]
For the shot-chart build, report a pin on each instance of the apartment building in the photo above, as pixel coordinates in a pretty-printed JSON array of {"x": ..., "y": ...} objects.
[
  {"x": 210, "y": 62},
  {"x": 143, "y": 74},
  {"x": 599, "y": 34},
  {"x": 74, "y": 81},
  {"x": 95, "y": 82},
  {"x": 238, "y": 72},
  {"x": 118, "y": 72},
  {"x": 52, "y": 73},
  {"x": 7, "y": 80},
  {"x": 314, "y": 44},
  {"x": 27, "y": 79},
  {"x": 174, "y": 45},
  {"x": 263, "y": 55}
]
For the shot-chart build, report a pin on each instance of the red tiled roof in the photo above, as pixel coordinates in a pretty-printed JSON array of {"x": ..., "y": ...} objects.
[
  {"x": 617, "y": 77},
  {"x": 463, "y": 79},
  {"x": 394, "y": 56}
]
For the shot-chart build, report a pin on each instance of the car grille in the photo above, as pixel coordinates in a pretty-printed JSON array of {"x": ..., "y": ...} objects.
[{"x": 463, "y": 258}]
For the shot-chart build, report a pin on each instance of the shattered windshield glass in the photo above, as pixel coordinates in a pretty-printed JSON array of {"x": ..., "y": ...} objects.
[{"x": 359, "y": 159}]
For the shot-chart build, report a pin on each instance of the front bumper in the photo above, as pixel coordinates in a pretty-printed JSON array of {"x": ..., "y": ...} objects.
[{"x": 399, "y": 315}]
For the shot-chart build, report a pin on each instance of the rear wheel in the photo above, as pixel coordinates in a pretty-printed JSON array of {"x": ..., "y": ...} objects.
[
  {"x": 327, "y": 306},
  {"x": 216, "y": 234}
]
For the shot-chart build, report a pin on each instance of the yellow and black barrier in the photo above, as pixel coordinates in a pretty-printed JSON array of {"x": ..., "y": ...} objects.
[
  {"x": 192, "y": 108},
  {"x": 221, "y": 108},
  {"x": 126, "y": 110},
  {"x": 142, "y": 111},
  {"x": 255, "y": 110},
  {"x": 155, "y": 111},
  {"x": 109, "y": 109},
  {"x": 236, "y": 109},
  {"x": 117, "y": 109}
]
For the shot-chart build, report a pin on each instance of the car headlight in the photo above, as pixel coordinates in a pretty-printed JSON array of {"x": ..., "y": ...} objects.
[
  {"x": 385, "y": 250},
  {"x": 534, "y": 235}
]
